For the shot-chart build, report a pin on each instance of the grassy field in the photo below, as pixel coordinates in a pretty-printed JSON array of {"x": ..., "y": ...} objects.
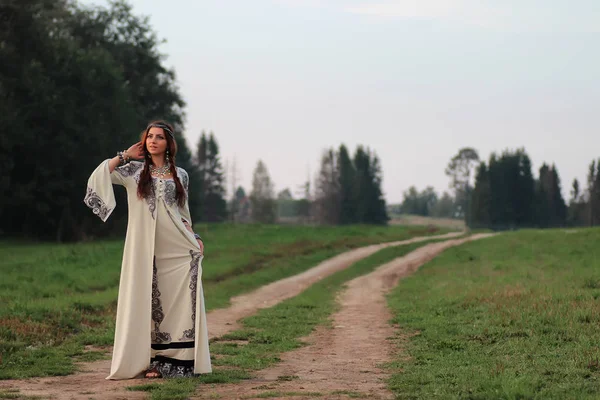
[
  {"x": 239, "y": 353},
  {"x": 407, "y": 219},
  {"x": 55, "y": 299},
  {"x": 511, "y": 317}
]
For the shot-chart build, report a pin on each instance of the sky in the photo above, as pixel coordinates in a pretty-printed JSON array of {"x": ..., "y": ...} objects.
[{"x": 413, "y": 80}]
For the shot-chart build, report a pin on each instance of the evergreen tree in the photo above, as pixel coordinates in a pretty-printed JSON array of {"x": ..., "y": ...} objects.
[
  {"x": 347, "y": 195},
  {"x": 593, "y": 189},
  {"x": 327, "y": 195},
  {"x": 262, "y": 197},
  {"x": 543, "y": 197},
  {"x": 512, "y": 190},
  {"x": 213, "y": 206},
  {"x": 91, "y": 77},
  {"x": 576, "y": 211},
  {"x": 559, "y": 207},
  {"x": 481, "y": 198}
]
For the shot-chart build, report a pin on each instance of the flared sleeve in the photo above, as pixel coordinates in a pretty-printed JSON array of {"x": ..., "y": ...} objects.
[{"x": 100, "y": 196}]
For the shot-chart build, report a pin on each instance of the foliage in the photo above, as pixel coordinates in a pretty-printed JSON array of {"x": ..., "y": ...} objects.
[
  {"x": 212, "y": 206},
  {"x": 77, "y": 85},
  {"x": 349, "y": 191},
  {"x": 262, "y": 197}
]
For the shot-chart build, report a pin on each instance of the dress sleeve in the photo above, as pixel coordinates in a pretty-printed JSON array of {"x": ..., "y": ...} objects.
[
  {"x": 185, "y": 210},
  {"x": 100, "y": 196}
]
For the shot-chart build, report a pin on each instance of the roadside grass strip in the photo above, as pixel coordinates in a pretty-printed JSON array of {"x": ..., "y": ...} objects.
[{"x": 515, "y": 316}]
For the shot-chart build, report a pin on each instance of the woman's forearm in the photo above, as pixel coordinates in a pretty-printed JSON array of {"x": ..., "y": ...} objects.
[
  {"x": 122, "y": 157},
  {"x": 113, "y": 163}
]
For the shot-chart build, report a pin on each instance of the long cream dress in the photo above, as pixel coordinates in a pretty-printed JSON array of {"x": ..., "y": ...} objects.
[{"x": 161, "y": 318}]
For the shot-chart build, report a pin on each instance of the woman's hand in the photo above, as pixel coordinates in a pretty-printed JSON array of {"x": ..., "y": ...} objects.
[
  {"x": 201, "y": 244},
  {"x": 135, "y": 152}
]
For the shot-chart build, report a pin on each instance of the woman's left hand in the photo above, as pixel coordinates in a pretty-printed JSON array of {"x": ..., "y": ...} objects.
[{"x": 201, "y": 244}]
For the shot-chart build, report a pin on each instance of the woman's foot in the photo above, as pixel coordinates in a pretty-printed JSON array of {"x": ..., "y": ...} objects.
[{"x": 153, "y": 373}]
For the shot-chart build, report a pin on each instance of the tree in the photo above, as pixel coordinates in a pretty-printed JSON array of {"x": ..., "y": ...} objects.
[
  {"x": 370, "y": 204},
  {"x": 212, "y": 180},
  {"x": 285, "y": 194},
  {"x": 72, "y": 78},
  {"x": 459, "y": 170},
  {"x": 347, "y": 196},
  {"x": 241, "y": 206},
  {"x": 576, "y": 211},
  {"x": 328, "y": 189},
  {"x": 262, "y": 197},
  {"x": 419, "y": 203},
  {"x": 480, "y": 215},
  {"x": 444, "y": 207},
  {"x": 550, "y": 205}
]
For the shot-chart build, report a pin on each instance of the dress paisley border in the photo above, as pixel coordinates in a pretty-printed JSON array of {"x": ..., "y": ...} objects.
[
  {"x": 93, "y": 201},
  {"x": 190, "y": 333},
  {"x": 157, "y": 311}
]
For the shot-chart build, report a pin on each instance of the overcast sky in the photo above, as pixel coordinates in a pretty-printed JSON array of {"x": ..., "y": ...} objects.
[{"x": 415, "y": 80}]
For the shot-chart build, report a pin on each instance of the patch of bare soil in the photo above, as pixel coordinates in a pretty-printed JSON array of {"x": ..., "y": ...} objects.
[
  {"x": 344, "y": 361},
  {"x": 90, "y": 382}
]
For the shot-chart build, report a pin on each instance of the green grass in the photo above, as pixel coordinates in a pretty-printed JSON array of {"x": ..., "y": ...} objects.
[
  {"x": 55, "y": 299},
  {"x": 510, "y": 317},
  {"x": 278, "y": 329},
  {"x": 15, "y": 394}
]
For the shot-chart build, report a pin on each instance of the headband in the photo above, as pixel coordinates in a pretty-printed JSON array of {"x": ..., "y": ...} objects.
[{"x": 163, "y": 126}]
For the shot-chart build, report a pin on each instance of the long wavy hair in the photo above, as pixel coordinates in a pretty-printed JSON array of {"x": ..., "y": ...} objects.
[{"x": 145, "y": 188}]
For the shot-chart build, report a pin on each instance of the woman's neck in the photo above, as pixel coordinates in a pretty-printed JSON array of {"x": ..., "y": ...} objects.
[{"x": 158, "y": 161}]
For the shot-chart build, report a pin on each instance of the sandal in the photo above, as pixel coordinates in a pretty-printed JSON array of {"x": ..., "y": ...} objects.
[{"x": 152, "y": 373}]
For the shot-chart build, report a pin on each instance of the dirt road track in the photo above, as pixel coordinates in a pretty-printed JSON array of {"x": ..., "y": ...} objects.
[
  {"x": 89, "y": 383},
  {"x": 347, "y": 358}
]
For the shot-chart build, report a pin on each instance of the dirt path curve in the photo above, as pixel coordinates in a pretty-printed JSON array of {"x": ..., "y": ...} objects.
[
  {"x": 89, "y": 383},
  {"x": 343, "y": 362},
  {"x": 226, "y": 320}
]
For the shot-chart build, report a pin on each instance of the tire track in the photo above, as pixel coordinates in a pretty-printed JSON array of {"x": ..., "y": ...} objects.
[
  {"x": 90, "y": 383},
  {"x": 345, "y": 361}
]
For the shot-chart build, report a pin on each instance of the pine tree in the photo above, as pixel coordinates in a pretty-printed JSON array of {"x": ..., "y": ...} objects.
[
  {"x": 370, "y": 204},
  {"x": 559, "y": 207},
  {"x": 213, "y": 207},
  {"x": 576, "y": 210},
  {"x": 347, "y": 195},
  {"x": 262, "y": 197},
  {"x": 543, "y": 197},
  {"x": 592, "y": 189},
  {"x": 327, "y": 195},
  {"x": 481, "y": 199}
]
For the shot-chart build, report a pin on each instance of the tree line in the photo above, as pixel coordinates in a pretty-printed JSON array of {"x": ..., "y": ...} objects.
[
  {"x": 78, "y": 84},
  {"x": 507, "y": 195}
]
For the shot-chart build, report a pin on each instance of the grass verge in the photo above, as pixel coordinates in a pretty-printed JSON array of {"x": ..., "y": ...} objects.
[
  {"x": 278, "y": 329},
  {"x": 510, "y": 317}
]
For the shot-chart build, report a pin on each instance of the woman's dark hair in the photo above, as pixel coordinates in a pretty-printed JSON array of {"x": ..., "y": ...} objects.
[{"x": 145, "y": 188}]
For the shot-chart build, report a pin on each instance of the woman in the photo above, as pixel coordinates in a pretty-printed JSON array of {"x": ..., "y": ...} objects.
[{"x": 161, "y": 321}]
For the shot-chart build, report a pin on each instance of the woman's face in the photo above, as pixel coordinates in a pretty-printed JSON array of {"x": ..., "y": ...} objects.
[{"x": 156, "y": 141}]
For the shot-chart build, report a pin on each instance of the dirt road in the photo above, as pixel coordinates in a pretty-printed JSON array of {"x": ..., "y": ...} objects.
[
  {"x": 345, "y": 361},
  {"x": 89, "y": 383}
]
